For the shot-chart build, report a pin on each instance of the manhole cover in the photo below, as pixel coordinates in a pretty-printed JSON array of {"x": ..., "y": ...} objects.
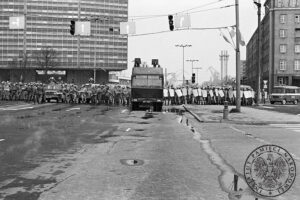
[{"x": 132, "y": 162}]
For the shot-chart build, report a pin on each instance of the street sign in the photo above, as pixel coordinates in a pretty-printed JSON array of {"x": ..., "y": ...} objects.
[
  {"x": 265, "y": 84},
  {"x": 127, "y": 28},
  {"x": 182, "y": 21},
  {"x": 17, "y": 22},
  {"x": 83, "y": 28}
]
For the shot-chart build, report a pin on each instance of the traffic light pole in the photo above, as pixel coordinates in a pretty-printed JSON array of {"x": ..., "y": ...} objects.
[
  {"x": 238, "y": 58},
  {"x": 258, "y": 99},
  {"x": 78, "y": 36},
  {"x": 24, "y": 34}
]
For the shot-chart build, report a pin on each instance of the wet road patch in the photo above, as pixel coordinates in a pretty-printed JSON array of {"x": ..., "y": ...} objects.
[{"x": 132, "y": 162}]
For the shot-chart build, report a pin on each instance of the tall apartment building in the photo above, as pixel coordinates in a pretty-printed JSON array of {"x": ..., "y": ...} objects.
[
  {"x": 47, "y": 24},
  {"x": 280, "y": 45}
]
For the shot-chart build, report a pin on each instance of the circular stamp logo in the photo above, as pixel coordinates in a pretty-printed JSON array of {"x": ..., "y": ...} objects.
[{"x": 270, "y": 170}]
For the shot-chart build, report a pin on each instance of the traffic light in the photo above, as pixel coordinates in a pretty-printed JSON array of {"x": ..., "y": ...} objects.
[
  {"x": 193, "y": 78},
  {"x": 171, "y": 22},
  {"x": 137, "y": 62},
  {"x": 72, "y": 27},
  {"x": 154, "y": 62}
]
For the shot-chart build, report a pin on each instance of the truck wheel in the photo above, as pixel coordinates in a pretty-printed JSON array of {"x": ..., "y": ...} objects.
[
  {"x": 272, "y": 102},
  {"x": 283, "y": 102},
  {"x": 295, "y": 101}
]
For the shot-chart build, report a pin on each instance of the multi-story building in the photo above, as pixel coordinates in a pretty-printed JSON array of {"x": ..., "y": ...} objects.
[
  {"x": 243, "y": 72},
  {"x": 280, "y": 45},
  {"x": 47, "y": 26}
]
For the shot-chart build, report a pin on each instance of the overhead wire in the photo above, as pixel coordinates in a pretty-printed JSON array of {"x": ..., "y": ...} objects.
[
  {"x": 139, "y": 17},
  {"x": 167, "y": 31}
]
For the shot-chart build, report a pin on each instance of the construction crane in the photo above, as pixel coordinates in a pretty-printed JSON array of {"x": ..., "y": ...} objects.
[{"x": 214, "y": 78}]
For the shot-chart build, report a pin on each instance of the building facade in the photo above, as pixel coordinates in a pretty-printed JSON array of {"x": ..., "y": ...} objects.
[
  {"x": 47, "y": 26},
  {"x": 243, "y": 72},
  {"x": 280, "y": 46}
]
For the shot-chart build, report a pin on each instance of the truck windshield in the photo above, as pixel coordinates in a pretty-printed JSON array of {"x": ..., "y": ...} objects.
[
  {"x": 278, "y": 90},
  {"x": 147, "y": 81}
]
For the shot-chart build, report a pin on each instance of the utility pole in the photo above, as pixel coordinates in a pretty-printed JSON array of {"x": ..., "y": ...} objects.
[
  {"x": 258, "y": 4},
  {"x": 183, "y": 46},
  {"x": 222, "y": 66},
  {"x": 238, "y": 58}
]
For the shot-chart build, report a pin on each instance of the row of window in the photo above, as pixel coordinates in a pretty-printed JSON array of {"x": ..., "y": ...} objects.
[
  {"x": 283, "y": 64},
  {"x": 283, "y": 48},
  {"x": 283, "y": 18}
]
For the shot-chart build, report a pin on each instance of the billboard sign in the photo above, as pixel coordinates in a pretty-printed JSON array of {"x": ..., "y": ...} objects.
[
  {"x": 127, "y": 28},
  {"x": 182, "y": 21},
  {"x": 17, "y": 22},
  {"x": 83, "y": 28}
]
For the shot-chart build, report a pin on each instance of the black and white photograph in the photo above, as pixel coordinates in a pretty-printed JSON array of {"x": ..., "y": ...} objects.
[{"x": 149, "y": 99}]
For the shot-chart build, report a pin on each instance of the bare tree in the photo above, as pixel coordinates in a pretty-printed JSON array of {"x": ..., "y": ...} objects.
[{"x": 47, "y": 58}]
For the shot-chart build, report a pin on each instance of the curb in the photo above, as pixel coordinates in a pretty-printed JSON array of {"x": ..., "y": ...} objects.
[{"x": 238, "y": 121}]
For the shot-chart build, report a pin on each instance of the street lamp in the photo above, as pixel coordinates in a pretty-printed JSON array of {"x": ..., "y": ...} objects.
[
  {"x": 183, "y": 46},
  {"x": 192, "y": 61},
  {"x": 258, "y": 4}
]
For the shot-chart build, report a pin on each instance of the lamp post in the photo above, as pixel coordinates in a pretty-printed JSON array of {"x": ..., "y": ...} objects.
[
  {"x": 192, "y": 61},
  {"x": 183, "y": 46},
  {"x": 258, "y": 4}
]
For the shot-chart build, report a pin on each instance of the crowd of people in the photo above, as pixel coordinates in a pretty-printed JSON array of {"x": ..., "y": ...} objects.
[
  {"x": 38, "y": 92},
  {"x": 206, "y": 95},
  {"x": 114, "y": 94}
]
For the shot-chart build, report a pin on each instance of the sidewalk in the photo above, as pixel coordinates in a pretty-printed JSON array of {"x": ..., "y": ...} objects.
[{"x": 248, "y": 115}]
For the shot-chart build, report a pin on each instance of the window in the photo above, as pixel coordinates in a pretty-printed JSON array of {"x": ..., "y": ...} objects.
[
  {"x": 282, "y": 19},
  {"x": 297, "y": 48},
  {"x": 282, "y": 48},
  {"x": 282, "y": 33},
  {"x": 282, "y": 65},
  {"x": 297, "y": 65},
  {"x": 297, "y": 18}
]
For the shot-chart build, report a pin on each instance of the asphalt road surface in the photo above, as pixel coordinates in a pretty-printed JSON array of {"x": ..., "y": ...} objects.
[
  {"x": 61, "y": 151},
  {"x": 288, "y": 108}
]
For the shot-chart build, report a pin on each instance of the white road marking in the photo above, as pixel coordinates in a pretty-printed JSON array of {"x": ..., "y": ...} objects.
[
  {"x": 268, "y": 107},
  {"x": 73, "y": 109},
  {"x": 14, "y": 108},
  {"x": 128, "y": 129},
  {"x": 124, "y": 111},
  {"x": 2, "y": 140}
]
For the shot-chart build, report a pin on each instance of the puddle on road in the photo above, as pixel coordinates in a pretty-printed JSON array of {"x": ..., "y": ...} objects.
[
  {"x": 226, "y": 177},
  {"x": 148, "y": 116}
]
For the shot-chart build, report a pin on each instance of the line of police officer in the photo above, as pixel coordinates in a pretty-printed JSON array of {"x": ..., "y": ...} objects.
[{"x": 206, "y": 95}]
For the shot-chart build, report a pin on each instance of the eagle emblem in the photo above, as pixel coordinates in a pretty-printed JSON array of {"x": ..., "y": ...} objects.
[{"x": 270, "y": 171}]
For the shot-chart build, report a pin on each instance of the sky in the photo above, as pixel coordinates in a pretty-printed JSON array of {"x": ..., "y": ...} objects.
[{"x": 206, "y": 44}]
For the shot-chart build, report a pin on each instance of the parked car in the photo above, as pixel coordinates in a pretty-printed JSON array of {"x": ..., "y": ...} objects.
[{"x": 285, "y": 94}]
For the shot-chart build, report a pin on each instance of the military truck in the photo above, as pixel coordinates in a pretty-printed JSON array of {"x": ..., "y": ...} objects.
[
  {"x": 147, "y": 88},
  {"x": 53, "y": 92}
]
